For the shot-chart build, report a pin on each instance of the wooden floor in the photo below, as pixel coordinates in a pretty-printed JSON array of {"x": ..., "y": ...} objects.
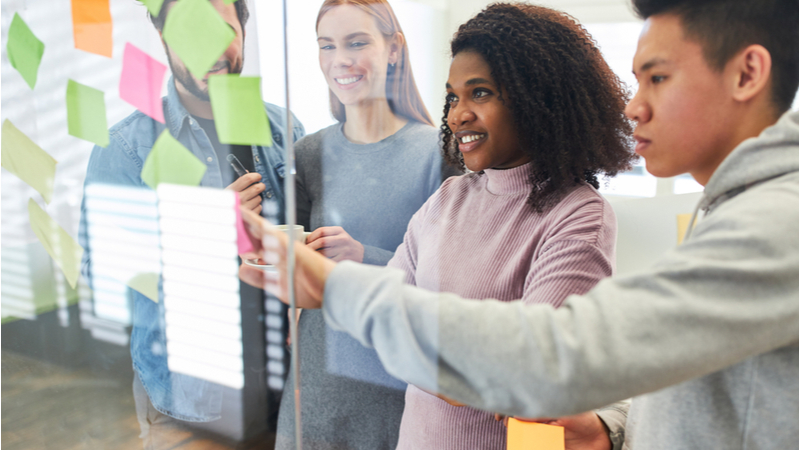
[{"x": 45, "y": 406}]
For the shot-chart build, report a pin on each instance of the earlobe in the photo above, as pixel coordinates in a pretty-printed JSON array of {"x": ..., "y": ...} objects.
[{"x": 753, "y": 67}]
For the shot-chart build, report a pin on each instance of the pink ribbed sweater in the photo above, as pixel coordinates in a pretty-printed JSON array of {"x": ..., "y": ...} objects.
[{"x": 477, "y": 237}]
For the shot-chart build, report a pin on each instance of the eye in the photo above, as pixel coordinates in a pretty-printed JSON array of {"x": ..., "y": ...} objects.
[
  {"x": 357, "y": 44},
  {"x": 656, "y": 79},
  {"x": 481, "y": 92},
  {"x": 450, "y": 99},
  {"x": 326, "y": 47}
]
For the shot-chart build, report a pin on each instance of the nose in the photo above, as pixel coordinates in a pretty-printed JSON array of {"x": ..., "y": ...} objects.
[
  {"x": 459, "y": 115},
  {"x": 637, "y": 109},
  {"x": 342, "y": 59}
]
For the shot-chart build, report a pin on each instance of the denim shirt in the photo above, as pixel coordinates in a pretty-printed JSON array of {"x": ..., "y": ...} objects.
[{"x": 181, "y": 396}]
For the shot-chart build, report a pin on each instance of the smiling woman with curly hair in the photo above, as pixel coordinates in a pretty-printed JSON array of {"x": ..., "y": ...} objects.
[{"x": 566, "y": 103}]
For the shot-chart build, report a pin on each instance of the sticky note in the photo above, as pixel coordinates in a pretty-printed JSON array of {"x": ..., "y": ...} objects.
[
  {"x": 170, "y": 162},
  {"x": 24, "y": 50},
  {"x": 22, "y": 157},
  {"x": 531, "y": 435},
  {"x": 145, "y": 284},
  {"x": 91, "y": 26},
  {"x": 683, "y": 226},
  {"x": 195, "y": 31},
  {"x": 86, "y": 113},
  {"x": 242, "y": 237},
  {"x": 154, "y": 6},
  {"x": 64, "y": 250},
  {"x": 141, "y": 80},
  {"x": 239, "y": 114}
]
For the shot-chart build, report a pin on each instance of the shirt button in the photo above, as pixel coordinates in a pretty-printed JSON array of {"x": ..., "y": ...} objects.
[
  {"x": 269, "y": 194},
  {"x": 257, "y": 160},
  {"x": 209, "y": 159}
]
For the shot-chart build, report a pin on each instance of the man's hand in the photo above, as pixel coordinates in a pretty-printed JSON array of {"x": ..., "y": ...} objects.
[
  {"x": 249, "y": 196},
  {"x": 583, "y": 431},
  {"x": 311, "y": 268},
  {"x": 336, "y": 244}
]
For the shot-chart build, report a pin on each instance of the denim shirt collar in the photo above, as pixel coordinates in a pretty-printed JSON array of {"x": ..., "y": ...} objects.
[{"x": 176, "y": 114}]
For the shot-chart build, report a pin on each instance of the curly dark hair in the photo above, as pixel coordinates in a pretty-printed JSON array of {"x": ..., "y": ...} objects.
[{"x": 568, "y": 106}]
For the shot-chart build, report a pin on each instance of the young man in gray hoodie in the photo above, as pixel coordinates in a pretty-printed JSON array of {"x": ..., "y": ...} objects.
[{"x": 706, "y": 340}]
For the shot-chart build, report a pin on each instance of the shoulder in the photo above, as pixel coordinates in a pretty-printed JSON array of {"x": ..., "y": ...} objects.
[
  {"x": 136, "y": 130},
  {"x": 312, "y": 143},
  {"x": 277, "y": 118},
  {"x": 583, "y": 214},
  {"x": 421, "y": 137}
]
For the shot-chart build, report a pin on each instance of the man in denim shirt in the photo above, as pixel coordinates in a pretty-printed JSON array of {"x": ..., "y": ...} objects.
[{"x": 159, "y": 393}]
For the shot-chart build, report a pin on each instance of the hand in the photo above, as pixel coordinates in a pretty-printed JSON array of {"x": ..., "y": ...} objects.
[
  {"x": 583, "y": 431},
  {"x": 336, "y": 244},
  {"x": 311, "y": 268},
  {"x": 249, "y": 196}
]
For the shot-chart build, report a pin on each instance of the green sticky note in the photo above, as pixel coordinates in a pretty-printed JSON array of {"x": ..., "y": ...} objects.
[
  {"x": 239, "y": 114},
  {"x": 58, "y": 244},
  {"x": 22, "y": 157},
  {"x": 86, "y": 113},
  {"x": 24, "y": 50},
  {"x": 197, "y": 34},
  {"x": 154, "y": 6},
  {"x": 146, "y": 284},
  {"x": 171, "y": 162}
]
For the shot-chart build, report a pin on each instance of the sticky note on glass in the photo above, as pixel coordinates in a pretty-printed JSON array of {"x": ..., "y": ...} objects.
[
  {"x": 531, "y": 435},
  {"x": 22, "y": 157},
  {"x": 86, "y": 113},
  {"x": 91, "y": 26},
  {"x": 24, "y": 50},
  {"x": 195, "y": 31},
  {"x": 170, "y": 162},
  {"x": 145, "y": 284},
  {"x": 239, "y": 114},
  {"x": 154, "y": 6},
  {"x": 141, "y": 80},
  {"x": 243, "y": 242},
  {"x": 64, "y": 250},
  {"x": 683, "y": 226}
]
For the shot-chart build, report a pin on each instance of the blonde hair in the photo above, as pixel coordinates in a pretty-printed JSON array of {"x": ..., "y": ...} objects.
[{"x": 401, "y": 90}]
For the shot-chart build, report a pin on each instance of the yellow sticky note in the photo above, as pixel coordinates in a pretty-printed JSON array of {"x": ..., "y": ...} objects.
[
  {"x": 534, "y": 436},
  {"x": 22, "y": 157},
  {"x": 145, "y": 284},
  {"x": 683, "y": 226},
  {"x": 64, "y": 250}
]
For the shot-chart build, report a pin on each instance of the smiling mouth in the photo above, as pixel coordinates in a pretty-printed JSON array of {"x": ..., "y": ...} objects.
[
  {"x": 470, "y": 138},
  {"x": 349, "y": 80}
]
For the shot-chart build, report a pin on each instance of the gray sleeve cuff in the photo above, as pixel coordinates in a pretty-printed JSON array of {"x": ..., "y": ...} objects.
[
  {"x": 615, "y": 416},
  {"x": 376, "y": 256}
]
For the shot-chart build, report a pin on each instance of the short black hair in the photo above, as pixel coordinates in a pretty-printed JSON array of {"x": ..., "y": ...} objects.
[
  {"x": 158, "y": 21},
  {"x": 724, "y": 27},
  {"x": 567, "y": 103}
]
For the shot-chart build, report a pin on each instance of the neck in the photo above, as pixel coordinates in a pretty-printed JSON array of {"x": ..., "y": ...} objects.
[
  {"x": 194, "y": 105},
  {"x": 371, "y": 122},
  {"x": 751, "y": 123}
]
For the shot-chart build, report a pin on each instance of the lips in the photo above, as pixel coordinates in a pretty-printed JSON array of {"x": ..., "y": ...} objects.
[
  {"x": 641, "y": 144},
  {"x": 469, "y": 139},
  {"x": 348, "y": 82},
  {"x": 218, "y": 67}
]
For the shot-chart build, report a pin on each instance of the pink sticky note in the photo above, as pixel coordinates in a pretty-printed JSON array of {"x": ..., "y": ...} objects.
[
  {"x": 242, "y": 238},
  {"x": 141, "y": 80}
]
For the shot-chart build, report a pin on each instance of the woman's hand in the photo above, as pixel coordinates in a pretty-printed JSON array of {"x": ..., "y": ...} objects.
[
  {"x": 249, "y": 196},
  {"x": 583, "y": 431},
  {"x": 336, "y": 244},
  {"x": 311, "y": 268}
]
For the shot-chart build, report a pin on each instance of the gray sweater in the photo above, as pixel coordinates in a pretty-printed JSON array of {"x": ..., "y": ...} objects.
[
  {"x": 706, "y": 340},
  {"x": 371, "y": 190}
]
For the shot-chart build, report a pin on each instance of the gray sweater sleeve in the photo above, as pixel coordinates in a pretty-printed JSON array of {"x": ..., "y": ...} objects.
[{"x": 728, "y": 293}]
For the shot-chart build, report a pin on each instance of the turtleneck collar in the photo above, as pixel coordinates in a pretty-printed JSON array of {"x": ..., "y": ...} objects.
[{"x": 509, "y": 181}]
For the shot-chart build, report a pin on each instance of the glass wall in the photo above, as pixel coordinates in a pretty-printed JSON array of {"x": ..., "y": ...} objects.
[{"x": 130, "y": 139}]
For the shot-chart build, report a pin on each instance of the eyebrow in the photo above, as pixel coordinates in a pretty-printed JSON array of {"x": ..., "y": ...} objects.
[
  {"x": 471, "y": 82},
  {"x": 650, "y": 64},
  {"x": 348, "y": 37}
]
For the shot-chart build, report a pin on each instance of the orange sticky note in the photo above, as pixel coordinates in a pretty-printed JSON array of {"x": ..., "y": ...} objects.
[
  {"x": 683, "y": 226},
  {"x": 534, "y": 436},
  {"x": 91, "y": 26}
]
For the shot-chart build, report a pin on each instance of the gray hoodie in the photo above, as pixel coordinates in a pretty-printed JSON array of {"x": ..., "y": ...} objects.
[{"x": 706, "y": 340}]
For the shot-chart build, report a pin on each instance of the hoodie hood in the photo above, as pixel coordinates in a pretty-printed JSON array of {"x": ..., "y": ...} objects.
[{"x": 772, "y": 154}]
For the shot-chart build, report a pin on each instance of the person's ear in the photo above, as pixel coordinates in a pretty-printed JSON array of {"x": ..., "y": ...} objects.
[
  {"x": 751, "y": 69},
  {"x": 395, "y": 46}
]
